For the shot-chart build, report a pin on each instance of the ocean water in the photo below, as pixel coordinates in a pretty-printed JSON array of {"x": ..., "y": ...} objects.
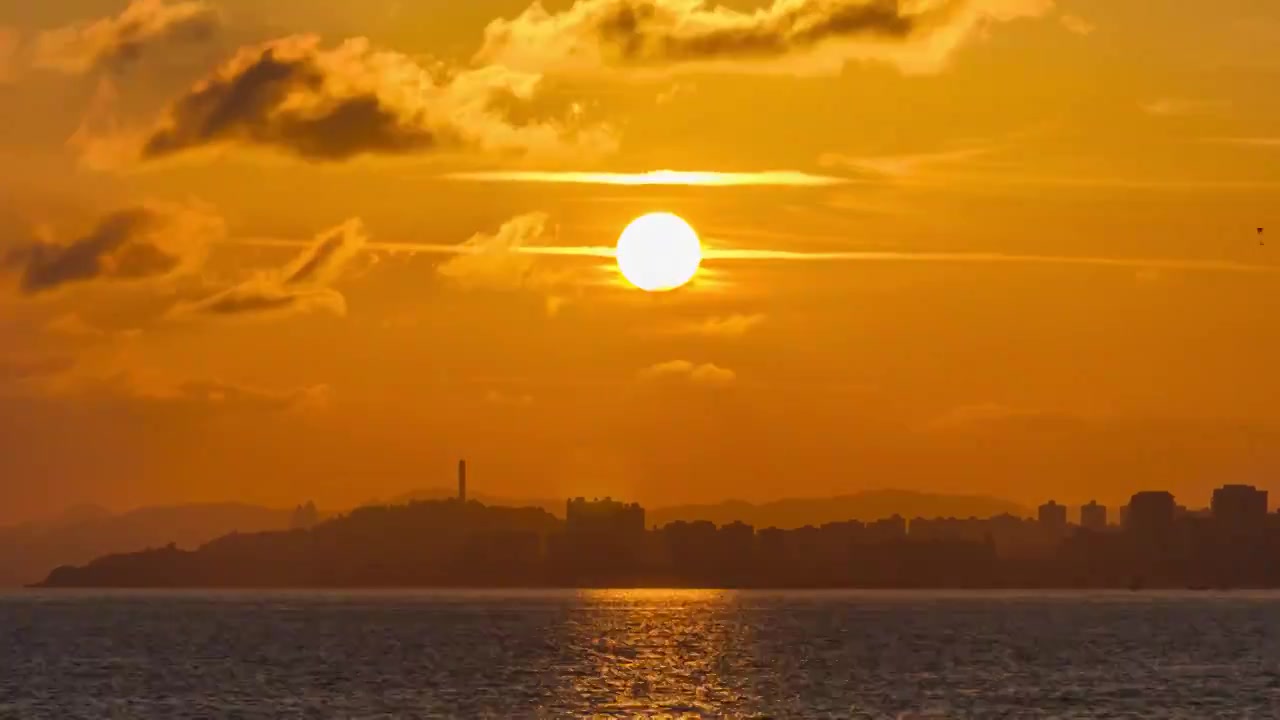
[{"x": 676, "y": 654}]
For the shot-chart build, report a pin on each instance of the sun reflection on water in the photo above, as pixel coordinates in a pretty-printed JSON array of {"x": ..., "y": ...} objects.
[{"x": 641, "y": 652}]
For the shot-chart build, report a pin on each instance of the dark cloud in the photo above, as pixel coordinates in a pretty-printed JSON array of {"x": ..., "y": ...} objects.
[
  {"x": 246, "y": 107},
  {"x": 646, "y": 31},
  {"x": 301, "y": 286},
  {"x": 129, "y": 245},
  {"x": 800, "y": 36},
  {"x": 117, "y": 41},
  {"x": 319, "y": 104}
]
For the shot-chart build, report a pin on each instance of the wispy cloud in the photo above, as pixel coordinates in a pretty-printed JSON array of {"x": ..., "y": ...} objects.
[
  {"x": 498, "y": 397},
  {"x": 1256, "y": 142},
  {"x": 979, "y": 258},
  {"x": 801, "y": 37},
  {"x": 707, "y": 374},
  {"x": 1182, "y": 107},
  {"x": 719, "y": 252},
  {"x": 503, "y": 260},
  {"x": 791, "y": 178},
  {"x": 114, "y": 41},
  {"x": 73, "y": 325},
  {"x": 506, "y": 261},
  {"x": 1076, "y": 24},
  {"x": 905, "y": 166},
  {"x": 729, "y": 326},
  {"x": 301, "y": 286}
]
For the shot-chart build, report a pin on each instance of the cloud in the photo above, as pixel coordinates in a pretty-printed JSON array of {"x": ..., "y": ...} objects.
[
  {"x": 707, "y": 374},
  {"x": 323, "y": 105},
  {"x": 730, "y": 326},
  {"x": 19, "y": 366},
  {"x": 904, "y": 167},
  {"x": 803, "y": 37},
  {"x": 73, "y": 325},
  {"x": 10, "y": 44},
  {"x": 510, "y": 265},
  {"x": 228, "y": 395},
  {"x": 497, "y": 397},
  {"x": 1076, "y": 24},
  {"x": 112, "y": 42},
  {"x": 980, "y": 258},
  {"x": 141, "y": 243},
  {"x": 784, "y": 178},
  {"x": 989, "y": 416},
  {"x": 500, "y": 261},
  {"x": 1181, "y": 107},
  {"x": 119, "y": 374},
  {"x": 300, "y": 287},
  {"x": 1252, "y": 142},
  {"x": 675, "y": 92}
]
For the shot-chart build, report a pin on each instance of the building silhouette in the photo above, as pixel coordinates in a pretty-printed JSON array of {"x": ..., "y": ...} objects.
[
  {"x": 304, "y": 517},
  {"x": 890, "y": 528},
  {"x": 1150, "y": 514},
  {"x": 462, "y": 481},
  {"x": 1093, "y": 517},
  {"x": 1240, "y": 509},
  {"x": 607, "y": 516},
  {"x": 603, "y": 540},
  {"x": 1053, "y": 518}
]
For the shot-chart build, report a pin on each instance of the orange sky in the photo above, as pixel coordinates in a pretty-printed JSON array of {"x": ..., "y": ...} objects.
[{"x": 311, "y": 249}]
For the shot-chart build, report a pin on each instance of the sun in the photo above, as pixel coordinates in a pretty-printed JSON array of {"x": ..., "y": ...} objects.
[{"x": 659, "y": 252}]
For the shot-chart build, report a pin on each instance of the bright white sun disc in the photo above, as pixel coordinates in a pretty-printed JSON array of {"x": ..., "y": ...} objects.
[{"x": 659, "y": 252}]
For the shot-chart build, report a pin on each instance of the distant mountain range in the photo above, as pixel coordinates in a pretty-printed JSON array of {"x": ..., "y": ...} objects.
[{"x": 28, "y": 552}]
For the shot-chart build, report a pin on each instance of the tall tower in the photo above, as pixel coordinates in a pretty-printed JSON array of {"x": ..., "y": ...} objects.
[{"x": 462, "y": 481}]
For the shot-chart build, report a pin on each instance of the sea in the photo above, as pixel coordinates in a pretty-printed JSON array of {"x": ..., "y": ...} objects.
[{"x": 639, "y": 654}]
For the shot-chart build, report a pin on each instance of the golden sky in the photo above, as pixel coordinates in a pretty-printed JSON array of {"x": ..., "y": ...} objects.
[{"x": 311, "y": 249}]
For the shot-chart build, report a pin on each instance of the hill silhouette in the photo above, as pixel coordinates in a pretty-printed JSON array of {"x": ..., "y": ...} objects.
[
  {"x": 447, "y": 543},
  {"x": 82, "y": 533},
  {"x": 422, "y": 543},
  {"x": 865, "y": 506}
]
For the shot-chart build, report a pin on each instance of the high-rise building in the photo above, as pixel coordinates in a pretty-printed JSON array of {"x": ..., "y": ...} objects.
[
  {"x": 1240, "y": 509},
  {"x": 1053, "y": 516},
  {"x": 1150, "y": 514},
  {"x": 1093, "y": 516},
  {"x": 305, "y": 517},
  {"x": 462, "y": 481},
  {"x": 603, "y": 516},
  {"x": 603, "y": 538}
]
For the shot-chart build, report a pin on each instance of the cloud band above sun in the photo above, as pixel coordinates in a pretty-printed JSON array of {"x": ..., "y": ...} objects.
[
  {"x": 726, "y": 254},
  {"x": 765, "y": 178}
]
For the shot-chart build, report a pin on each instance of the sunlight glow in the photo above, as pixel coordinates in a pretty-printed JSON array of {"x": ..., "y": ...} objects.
[{"x": 659, "y": 252}]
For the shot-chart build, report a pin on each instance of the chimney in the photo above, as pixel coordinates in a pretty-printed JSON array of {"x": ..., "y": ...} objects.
[{"x": 462, "y": 481}]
